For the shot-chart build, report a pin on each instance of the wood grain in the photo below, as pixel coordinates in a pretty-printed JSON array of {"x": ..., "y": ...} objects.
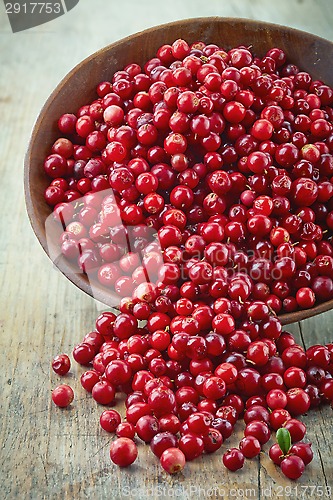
[{"x": 47, "y": 453}]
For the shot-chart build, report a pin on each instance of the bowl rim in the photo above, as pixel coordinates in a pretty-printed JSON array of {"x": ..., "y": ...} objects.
[{"x": 39, "y": 229}]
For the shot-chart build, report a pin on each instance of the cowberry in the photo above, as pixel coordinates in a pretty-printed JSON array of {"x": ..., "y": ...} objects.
[
  {"x": 173, "y": 460},
  {"x": 233, "y": 459},
  {"x": 110, "y": 420},
  {"x": 292, "y": 467},
  {"x": 191, "y": 445},
  {"x": 61, "y": 364},
  {"x": 304, "y": 451},
  {"x": 62, "y": 395},
  {"x": 123, "y": 451},
  {"x": 250, "y": 447},
  {"x": 197, "y": 192}
]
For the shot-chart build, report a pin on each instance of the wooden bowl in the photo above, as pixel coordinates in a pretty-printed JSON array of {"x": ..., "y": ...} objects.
[{"x": 309, "y": 52}]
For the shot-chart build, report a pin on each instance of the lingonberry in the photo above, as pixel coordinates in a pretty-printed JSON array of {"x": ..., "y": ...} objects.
[
  {"x": 110, "y": 420},
  {"x": 259, "y": 430},
  {"x": 212, "y": 441},
  {"x": 136, "y": 410},
  {"x": 294, "y": 356},
  {"x": 298, "y": 401},
  {"x": 276, "y": 398},
  {"x": 241, "y": 237},
  {"x": 169, "y": 423},
  {"x": 248, "y": 381},
  {"x": 250, "y": 447},
  {"x": 294, "y": 377},
  {"x": 292, "y": 466},
  {"x": 296, "y": 429},
  {"x": 163, "y": 441},
  {"x": 62, "y": 396},
  {"x": 278, "y": 417},
  {"x": 123, "y": 451},
  {"x": 147, "y": 427},
  {"x": 103, "y": 392},
  {"x": 161, "y": 401},
  {"x": 125, "y": 429},
  {"x": 227, "y": 413},
  {"x": 61, "y": 364},
  {"x": 191, "y": 445},
  {"x": 83, "y": 353},
  {"x": 118, "y": 372},
  {"x": 256, "y": 412},
  {"x": 233, "y": 459},
  {"x": 173, "y": 460},
  {"x": 88, "y": 379},
  {"x": 198, "y": 423},
  {"x": 271, "y": 380},
  {"x": 258, "y": 353},
  {"x": 304, "y": 451},
  {"x": 276, "y": 454}
]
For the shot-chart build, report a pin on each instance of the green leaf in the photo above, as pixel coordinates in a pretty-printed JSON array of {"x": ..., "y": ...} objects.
[{"x": 284, "y": 440}]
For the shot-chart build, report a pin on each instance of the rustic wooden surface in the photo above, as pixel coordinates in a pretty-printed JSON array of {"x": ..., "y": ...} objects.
[{"x": 47, "y": 453}]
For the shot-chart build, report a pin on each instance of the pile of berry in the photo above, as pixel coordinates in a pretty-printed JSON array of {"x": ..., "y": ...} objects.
[{"x": 198, "y": 191}]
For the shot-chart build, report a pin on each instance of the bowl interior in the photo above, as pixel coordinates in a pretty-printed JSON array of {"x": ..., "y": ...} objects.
[{"x": 309, "y": 52}]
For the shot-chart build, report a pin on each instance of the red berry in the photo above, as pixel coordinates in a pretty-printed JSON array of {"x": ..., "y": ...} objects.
[
  {"x": 191, "y": 445},
  {"x": 250, "y": 447},
  {"x": 125, "y": 429},
  {"x": 173, "y": 460},
  {"x": 62, "y": 395},
  {"x": 275, "y": 454},
  {"x": 233, "y": 459},
  {"x": 292, "y": 467},
  {"x": 110, "y": 420},
  {"x": 302, "y": 450},
  {"x": 163, "y": 441},
  {"x": 61, "y": 364},
  {"x": 147, "y": 427},
  {"x": 123, "y": 452}
]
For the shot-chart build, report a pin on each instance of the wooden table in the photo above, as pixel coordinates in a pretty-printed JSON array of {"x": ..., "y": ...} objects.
[{"x": 49, "y": 453}]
